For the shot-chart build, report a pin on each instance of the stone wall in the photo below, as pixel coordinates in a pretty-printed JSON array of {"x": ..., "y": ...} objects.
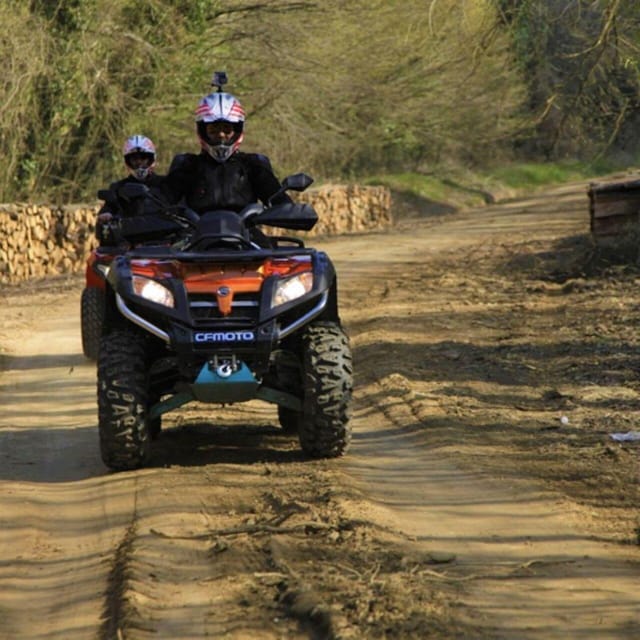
[{"x": 41, "y": 240}]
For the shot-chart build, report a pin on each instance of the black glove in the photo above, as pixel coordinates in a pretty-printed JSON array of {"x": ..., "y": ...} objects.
[{"x": 108, "y": 230}]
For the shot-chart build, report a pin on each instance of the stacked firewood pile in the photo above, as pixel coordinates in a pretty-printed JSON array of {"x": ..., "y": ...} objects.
[
  {"x": 348, "y": 209},
  {"x": 41, "y": 240},
  {"x": 37, "y": 241}
]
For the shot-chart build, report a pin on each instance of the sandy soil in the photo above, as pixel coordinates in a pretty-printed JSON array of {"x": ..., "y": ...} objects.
[{"x": 483, "y": 497}]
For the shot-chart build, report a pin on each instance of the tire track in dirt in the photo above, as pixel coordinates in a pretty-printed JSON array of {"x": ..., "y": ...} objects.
[
  {"x": 115, "y": 611},
  {"x": 232, "y": 533},
  {"x": 130, "y": 611},
  {"x": 265, "y": 549},
  {"x": 197, "y": 559},
  {"x": 525, "y": 562},
  {"x": 61, "y": 514},
  {"x": 497, "y": 535}
]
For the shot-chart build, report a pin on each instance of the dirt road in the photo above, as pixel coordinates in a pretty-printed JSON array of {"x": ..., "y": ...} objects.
[{"x": 483, "y": 496}]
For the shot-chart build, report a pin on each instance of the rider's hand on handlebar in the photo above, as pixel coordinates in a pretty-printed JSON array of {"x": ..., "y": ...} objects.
[{"x": 105, "y": 217}]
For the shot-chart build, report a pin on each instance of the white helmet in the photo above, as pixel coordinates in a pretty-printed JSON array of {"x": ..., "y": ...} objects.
[
  {"x": 143, "y": 146},
  {"x": 220, "y": 107}
]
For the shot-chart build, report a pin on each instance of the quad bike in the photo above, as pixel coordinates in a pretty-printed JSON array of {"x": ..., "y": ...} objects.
[
  {"x": 92, "y": 300},
  {"x": 218, "y": 318}
]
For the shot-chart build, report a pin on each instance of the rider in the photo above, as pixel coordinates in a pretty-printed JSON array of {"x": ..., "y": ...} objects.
[
  {"x": 139, "y": 155},
  {"x": 220, "y": 176}
]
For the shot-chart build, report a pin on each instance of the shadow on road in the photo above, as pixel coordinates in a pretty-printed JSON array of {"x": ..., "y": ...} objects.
[
  {"x": 40, "y": 361},
  {"x": 61, "y": 455},
  {"x": 199, "y": 444}
]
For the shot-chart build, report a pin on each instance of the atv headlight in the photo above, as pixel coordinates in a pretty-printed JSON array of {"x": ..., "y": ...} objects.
[
  {"x": 103, "y": 269},
  {"x": 152, "y": 290},
  {"x": 291, "y": 288}
]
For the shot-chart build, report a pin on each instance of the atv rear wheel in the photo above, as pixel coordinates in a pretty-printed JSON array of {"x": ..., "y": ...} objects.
[
  {"x": 155, "y": 425},
  {"x": 324, "y": 428},
  {"x": 125, "y": 438},
  {"x": 289, "y": 419},
  {"x": 91, "y": 314}
]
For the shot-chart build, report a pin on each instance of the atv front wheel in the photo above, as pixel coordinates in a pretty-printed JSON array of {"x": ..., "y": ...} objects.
[
  {"x": 125, "y": 438},
  {"x": 324, "y": 428},
  {"x": 91, "y": 314}
]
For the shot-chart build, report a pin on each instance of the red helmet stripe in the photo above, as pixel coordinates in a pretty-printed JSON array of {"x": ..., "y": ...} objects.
[{"x": 236, "y": 110}]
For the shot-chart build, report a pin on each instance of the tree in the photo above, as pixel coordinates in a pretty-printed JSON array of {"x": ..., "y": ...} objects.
[
  {"x": 582, "y": 61},
  {"x": 337, "y": 89},
  {"x": 378, "y": 85}
]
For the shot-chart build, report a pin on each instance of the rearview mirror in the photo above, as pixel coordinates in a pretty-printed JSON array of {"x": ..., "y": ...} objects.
[{"x": 297, "y": 182}]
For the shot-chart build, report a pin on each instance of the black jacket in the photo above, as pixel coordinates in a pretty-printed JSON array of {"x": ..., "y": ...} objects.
[
  {"x": 207, "y": 185},
  {"x": 121, "y": 208},
  {"x": 140, "y": 214}
]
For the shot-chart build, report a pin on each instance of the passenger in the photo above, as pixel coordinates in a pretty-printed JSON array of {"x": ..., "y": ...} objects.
[{"x": 139, "y": 155}]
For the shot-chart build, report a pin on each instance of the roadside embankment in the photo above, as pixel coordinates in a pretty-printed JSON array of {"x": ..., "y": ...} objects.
[{"x": 39, "y": 240}]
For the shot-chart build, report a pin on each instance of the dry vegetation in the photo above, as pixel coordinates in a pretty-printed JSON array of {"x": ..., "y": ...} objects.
[{"x": 339, "y": 89}]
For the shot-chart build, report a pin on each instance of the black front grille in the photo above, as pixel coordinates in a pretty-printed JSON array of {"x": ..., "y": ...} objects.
[{"x": 204, "y": 308}]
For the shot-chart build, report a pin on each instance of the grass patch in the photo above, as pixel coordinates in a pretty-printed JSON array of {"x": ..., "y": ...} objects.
[
  {"x": 414, "y": 183},
  {"x": 464, "y": 188},
  {"x": 432, "y": 188},
  {"x": 530, "y": 175}
]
